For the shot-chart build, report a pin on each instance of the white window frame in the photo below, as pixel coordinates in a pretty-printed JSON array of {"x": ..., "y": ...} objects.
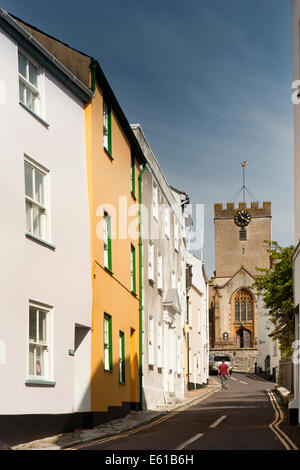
[
  {"x": 173, "y": 279},
  {"x": 179, "y": 286},
  {"x": 179, "y": 355},
  {"x": 133, "y": 279},
  {"x": 167, "y": 220},
  {"x": 159, "y": 271},
  {"x": 121, "y": 358},
  {"x": 151, "y": 341},
  {"x": 44, "y": 207},
  {"x": 105, "y": 125},
  {"x": 159, "y": 345},
  {"x": 176, "y": 231},
  {"x": 199, "y": 319},
  {"x": 274, "y": 347},
  {"x": 151, "y": 260},
  {"x": 47, "y": 345},
  {"x": 37, "y": 105},
  {"x": 155, "y": 200},
  {"x": 172, "y": 351},
  {"x": 106, "y": 255},
  {"x": 106, "y": 341}
]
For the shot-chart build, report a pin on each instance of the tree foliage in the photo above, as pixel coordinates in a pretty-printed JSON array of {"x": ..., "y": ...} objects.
[{"x": 275, "y": 285}]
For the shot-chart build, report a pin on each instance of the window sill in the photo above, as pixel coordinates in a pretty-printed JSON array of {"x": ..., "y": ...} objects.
[
  {"x": 109, "y": 271},
  {"x": 40, "y": 241},
  {"x": 41, "y": 382},
  {"x": 108, "y": 370},
  {"x": 108, "y": 154},
  {"x": 39, "y": 118}
]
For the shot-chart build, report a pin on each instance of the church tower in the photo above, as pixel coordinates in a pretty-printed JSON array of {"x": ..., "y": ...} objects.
[{"x": 241, "y": 233}]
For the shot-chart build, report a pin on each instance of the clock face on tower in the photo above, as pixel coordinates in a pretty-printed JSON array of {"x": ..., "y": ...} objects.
[{"x": 242, "y": 218}]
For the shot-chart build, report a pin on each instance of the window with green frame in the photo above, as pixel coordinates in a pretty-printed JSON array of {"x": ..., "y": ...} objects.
[
  {"x": 107, "y": 127},
  {"x": 133, "y": 270},
  {"x": 121, "y": 357},
  {"x": 132, "y": 175},
  {"x": 107, "y": 342},
  {"x": 107, "y": 241}
]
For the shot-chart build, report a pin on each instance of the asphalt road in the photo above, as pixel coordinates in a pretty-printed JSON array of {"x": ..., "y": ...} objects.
[{"x": 234, "y": 419}]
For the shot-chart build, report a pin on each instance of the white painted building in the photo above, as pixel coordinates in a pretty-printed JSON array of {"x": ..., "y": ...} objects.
[
  {"x": 198, "y": 325},
  {"x": 164, "y": 295},
  {"x": 45, "y": 277},
  {"x": 295, "y": 405},
  {"x": 268, "y": 356}
]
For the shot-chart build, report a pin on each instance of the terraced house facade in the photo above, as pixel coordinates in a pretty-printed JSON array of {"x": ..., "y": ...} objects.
[
  {"x": 77, "y": 344},
  {"x": 113, "y": 160},
  {"x": 164, "y": 293},
  {"x": 45, "y": 282}
]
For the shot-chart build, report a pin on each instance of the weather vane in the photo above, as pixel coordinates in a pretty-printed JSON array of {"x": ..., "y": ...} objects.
[{"x": 243, "y": 188}]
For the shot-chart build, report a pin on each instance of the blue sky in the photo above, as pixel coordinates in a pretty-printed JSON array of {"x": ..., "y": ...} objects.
[{"x": 208, "y": 80}]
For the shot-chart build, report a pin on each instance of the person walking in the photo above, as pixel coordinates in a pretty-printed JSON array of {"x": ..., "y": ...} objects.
[{"x": 223, "y": 371}]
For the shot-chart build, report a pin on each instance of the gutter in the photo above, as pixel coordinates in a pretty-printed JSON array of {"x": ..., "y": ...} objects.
[
  {"x": 37, "y": 45},
  {"x": 141, "y": 287}
]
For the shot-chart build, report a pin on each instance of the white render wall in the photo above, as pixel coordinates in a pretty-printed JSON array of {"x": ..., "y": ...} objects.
[
  {"x": 265, "y": 342},
  {"x": 296, "y": 258},
  {"x": 198, "y": 323},
  {"x": 60, "y": 278},
  {"x": 166, "y": 383},
  {"x": 296, "y": 275},
  {"x": 296, "y": 76}
]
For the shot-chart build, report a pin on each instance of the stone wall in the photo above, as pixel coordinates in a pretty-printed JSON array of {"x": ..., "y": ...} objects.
[{"x": 243, "y": 360}]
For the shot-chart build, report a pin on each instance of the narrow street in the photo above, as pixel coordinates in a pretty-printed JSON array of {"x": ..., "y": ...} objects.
[{"x": 238, "y": 418}]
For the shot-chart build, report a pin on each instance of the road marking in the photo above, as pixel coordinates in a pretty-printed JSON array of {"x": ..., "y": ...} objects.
[
  {"x": 246, "y": 383},
  {"x": 216, "y": 423},
  {"x": 186, "y": 443},
  {"x": 274, "y": 426},
  {"x": 233, "y": 379},
  {"x": 146, "y": 426},
  {"x": 233, "y": 407}
]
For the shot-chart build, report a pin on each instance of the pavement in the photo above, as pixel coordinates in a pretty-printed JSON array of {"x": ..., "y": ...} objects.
[{"x": 133, "y": 420}]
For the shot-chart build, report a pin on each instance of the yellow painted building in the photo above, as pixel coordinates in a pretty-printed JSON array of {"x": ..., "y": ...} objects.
[{"x": 113, "y": 168}]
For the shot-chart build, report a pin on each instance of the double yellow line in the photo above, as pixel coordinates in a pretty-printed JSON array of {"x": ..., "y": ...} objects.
[
  {"x": 274, "y": 426},
  {"x": 146, "y": 426}
]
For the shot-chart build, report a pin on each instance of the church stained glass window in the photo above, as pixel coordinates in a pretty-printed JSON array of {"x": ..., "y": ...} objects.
[{"x": 243, "y": 306}]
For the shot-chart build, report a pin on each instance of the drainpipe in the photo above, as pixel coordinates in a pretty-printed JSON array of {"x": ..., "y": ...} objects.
[{"x": 141, "y": 286}]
